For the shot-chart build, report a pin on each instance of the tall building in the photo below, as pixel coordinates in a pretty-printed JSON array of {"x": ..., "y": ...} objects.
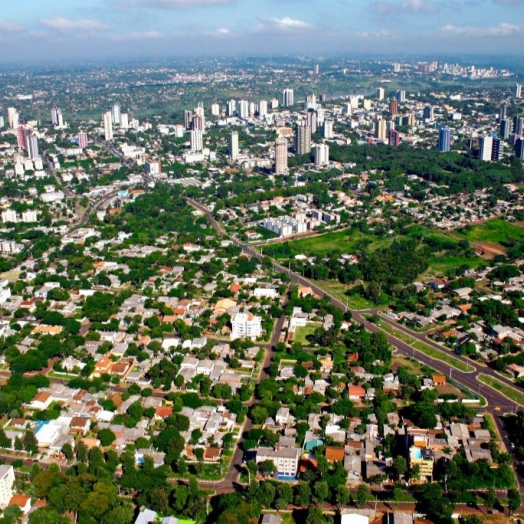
[
  {"x": 56, "y": 116},
  {"x": 196, "y": 140},
  {"x": 519, "y": 148},
  {"x": 518, "y": 90},
  {"x": 124, "y": 121},
  {"x": 303, "y": 139},
  {"x": 2, "y": 122},
  {"x": 400, "y": 95},
  {"x": 82, "y": 139},
  {"x": 381, "y": 93},
  {"x": 21, "y": 137},
  {"x": 393, "y": 106},
  {"x": 215, "y": 109},
  {"x": 503, "y": 112},
  {"x": 505, "y": 128},
  {"x": 495, "y": 149},
  {"x": 188, "y": 117},
  {"x": 198, "y": 123},
  {"x": 262, "y": 108},
  {"x": 7, "y": 480},
  {"x": 444, "y": 140},
  {"x": 280, "y": 156},
  {"x": 328, "y": 129},
  {"x": 321, "y": 154},
  {"x": 380, "y": 129},
  {"x": 243, "y": 109},
  {"x": 252, "y": 108},
  {"x": 233, "y": 145},
  {"x": 518, "y": 125},
  {"x": 429, "y": 113},
  {"x": 274, "y": 103},
  {"x": 486, "y": 147},
  {"x": 32, "y": 146},
  {"x": 115, "y": 113},
  {"x": 231, "y": 108},
  {"x": 312, "y": 121},
  {"x": 246, "y": 325},
  {"x": 288, "y": 97},
  {"x": 11, "y": 113},
  {"x": 108, "y": 126},
  {"x": 393, "y": 137},
  {"x": 317, "y": 69}
]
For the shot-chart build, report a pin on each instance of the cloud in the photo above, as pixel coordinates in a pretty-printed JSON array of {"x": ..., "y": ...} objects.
[
  {"x": 10, "y": 27},
  {"x": 222, "y": 31},
  {"x": 59, "y": 23},
  {"x": 172, "y": 4},
  {"x": 502, "y": 29},
  {"x": 406, "y": 6},
  {"x": 282, "y": 25}
]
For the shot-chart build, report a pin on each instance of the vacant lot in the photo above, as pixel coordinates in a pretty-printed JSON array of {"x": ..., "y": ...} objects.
[
  {"x": 302, "y": 332},
  {"x": 494, "y": 231}
]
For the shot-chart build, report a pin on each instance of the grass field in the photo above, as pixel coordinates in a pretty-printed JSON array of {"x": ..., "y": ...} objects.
[
  {"x": 495, "y": 231},
  {"x": 508, "y": 391},
  {"x": 302, "y": 332}
]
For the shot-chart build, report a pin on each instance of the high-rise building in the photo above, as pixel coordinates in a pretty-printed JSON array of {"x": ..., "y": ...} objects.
[
  {"x": 381, "y": 93},
  {"x": 7, "y": 480},
  {"x": 505, "y": 128},
  {"x": 262, "y": 108},
  {"x": 328, "y": 129},
  {"x": 444, "y": 140},
  {"x": 82, "y": 139},
  {"x": 32, "y": 146},
  {"x": 196, "y": 140},
  {"x": 274, "y": 103},
  {"x": 486, "y": 147},
  {"x": 503, "y": 112},
  {"x": 231, "y": 108},
  {"x": 199, "y": 110},
  {"x": 312, "y": 121},
  {"x": 252, "y": 109},
  {"x": 393, "y": 106},
  {"x": 11, "y": 113},
  {"x": 393, "y": 137},
  {"x": 2, "y": 122},
  {"x": 233, "y": 145},
  {"x": 518, "y": 90},
  {"x": 198, "y": 123},
  {"x": 495, "y": 149},
  {"x": 124, "y": 121},
  {"x": 518, "y": 125},
  {"x": 380, "y": 129},
  {"x": 400, "y": 95},
  {"x": 56, "y": 116},
  {"x": 243, "y": 109},
  {"x": 348, "y": 109},
  {"x": 215, "y": 109},
  {"x": 188, "y": 118},
  {"x": 429, "y": 113},
  {"x": 317, "y": 69},
  {"x": 280, "y": 156},
  {"x": 115, "y": 114},
  {"x": 288, "y": 97},
  {"x": 519, "y": 148},
  {"x": 321, "y": 154},
  {"x": 108, "y": 126},
  {"x": 303, "y": 139},
  {"x": 21, "y": 137}
]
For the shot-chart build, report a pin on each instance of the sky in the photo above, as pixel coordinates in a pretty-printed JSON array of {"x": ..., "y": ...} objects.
[{"x": 40, "y": 31}]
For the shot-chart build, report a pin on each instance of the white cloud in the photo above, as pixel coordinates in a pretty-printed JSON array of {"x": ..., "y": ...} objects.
[
  {"x": 172, "y": 4},
  {"x": 223, "y": 31},
  {"x": 406, "y": 6},
  {"x": 502, "y": 29},
  {"x": 282, "y": 25},
  {"x": 10, "y": 27},
  {"x": 60, "y": 23}
]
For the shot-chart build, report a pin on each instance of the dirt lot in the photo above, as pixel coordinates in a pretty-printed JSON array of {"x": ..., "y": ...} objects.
[{"x": 489, "y": 249}]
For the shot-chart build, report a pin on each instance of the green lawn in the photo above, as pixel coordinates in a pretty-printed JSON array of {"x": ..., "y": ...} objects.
[
  {"x": 441, "y": 265},
  {"x": 496, "y": 231},
  {"x": 508, "y": 391},
  {"x": 302, "y": 332}
]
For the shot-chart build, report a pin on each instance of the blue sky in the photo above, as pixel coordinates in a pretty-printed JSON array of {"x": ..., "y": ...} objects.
[{"x": 39, "y": 30}]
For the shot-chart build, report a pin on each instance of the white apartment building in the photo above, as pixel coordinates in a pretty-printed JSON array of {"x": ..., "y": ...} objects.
[
  {"x": 7, "y": 479},
  {"x": 9, "y": 215},
  {"x": 29, "y": 216},
  {"x": 285, "y": 459},
  {"x": 246, "y": 325}
]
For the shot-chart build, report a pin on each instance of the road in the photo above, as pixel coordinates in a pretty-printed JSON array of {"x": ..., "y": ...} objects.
[{"x": 493, "y": 397}]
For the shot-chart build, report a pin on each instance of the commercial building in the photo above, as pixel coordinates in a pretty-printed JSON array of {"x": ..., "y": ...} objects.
[{"x": 444, "y": 140}]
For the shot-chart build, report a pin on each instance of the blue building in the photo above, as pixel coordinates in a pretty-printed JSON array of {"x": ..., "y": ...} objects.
[{"x": 444, "y": 140}]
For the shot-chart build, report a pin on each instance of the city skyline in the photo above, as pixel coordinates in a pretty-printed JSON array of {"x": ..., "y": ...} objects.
[{"x": 34, "y": 32}]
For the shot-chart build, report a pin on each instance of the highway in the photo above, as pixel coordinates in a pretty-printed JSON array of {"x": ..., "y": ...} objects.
[{"x": 498, "y": 404}]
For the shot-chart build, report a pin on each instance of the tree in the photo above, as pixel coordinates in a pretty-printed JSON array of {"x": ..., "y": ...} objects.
[
  {"x": 68, "y": 451},
  {"x": 342, "y": 495},
  {"x": 321, "y": 491},
  {"x": 302, "y": 494},
  {"x": 30, "y": 442},
  {"x": 5, "y": 441},
  {"x": 106, "y": 437},
  {"x": 490, "y": 499},
  {"x": 514, "y": 500},
  {"x": 267, "y": 467},
  {"x": 362, "y": 494},
  {"x": 315, "y": 516},
  {"x": 400, "y": 466}
]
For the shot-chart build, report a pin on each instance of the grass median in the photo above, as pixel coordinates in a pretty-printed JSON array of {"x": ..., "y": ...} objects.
[
  {"x": 428, "y": 350},
  {"x": 508, "y": 391}
]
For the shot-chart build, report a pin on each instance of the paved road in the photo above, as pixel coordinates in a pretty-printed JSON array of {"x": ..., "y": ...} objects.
[{"x": 494, "y": 398}]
